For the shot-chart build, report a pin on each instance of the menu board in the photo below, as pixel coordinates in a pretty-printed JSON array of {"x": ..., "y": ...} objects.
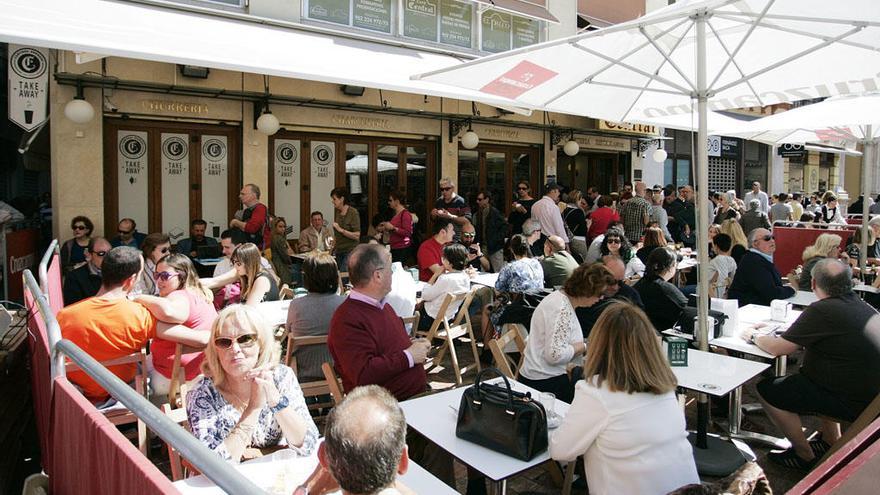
[
  {"x": 525, "y": 32},
  {"x": 374, "y": 15},
  {"x": 456, "y": 23},
  {"x": 337, "y": 11},
  {"x": 496, "y": 31},
  {"x": 420, "y": 19}
]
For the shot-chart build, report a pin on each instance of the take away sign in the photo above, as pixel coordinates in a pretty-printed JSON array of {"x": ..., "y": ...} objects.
[{"x": 28, "y": 86}]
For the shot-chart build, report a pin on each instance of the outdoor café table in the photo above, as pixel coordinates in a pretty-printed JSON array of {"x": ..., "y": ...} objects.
[
  {"x": 275, "y": 312},
  {"x": 716, "y": 375},
  {"x": 487, "y": 279},
  {"x": 435, "y": 416},
  {"x": 281, "y": 472},
  {"x": 802, "y": 298}
]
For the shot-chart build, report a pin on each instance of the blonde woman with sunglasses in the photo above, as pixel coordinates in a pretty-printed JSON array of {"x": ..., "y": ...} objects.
[
  {"x": 257, "y": 285},
  {"x": 247, "y": 402},
  {"x": 182, "y": 300}
]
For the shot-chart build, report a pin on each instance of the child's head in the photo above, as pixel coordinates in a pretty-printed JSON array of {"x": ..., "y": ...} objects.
[
  {"x": 722, "y": 243},
  {"x": 455, "y": 255}
]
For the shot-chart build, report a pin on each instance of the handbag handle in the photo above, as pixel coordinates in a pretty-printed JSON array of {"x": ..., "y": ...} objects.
[{"x": 498, "y": 372}]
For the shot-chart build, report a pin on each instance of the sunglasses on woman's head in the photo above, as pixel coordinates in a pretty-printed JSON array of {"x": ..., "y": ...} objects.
[
  {"x": 246, "y": 340},
  {"x": 164, "y": 276}
]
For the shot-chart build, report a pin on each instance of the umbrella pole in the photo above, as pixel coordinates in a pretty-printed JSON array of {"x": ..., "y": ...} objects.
[
  {"x": 867, "y": 163},
  {"x": 713, "y": 456}
]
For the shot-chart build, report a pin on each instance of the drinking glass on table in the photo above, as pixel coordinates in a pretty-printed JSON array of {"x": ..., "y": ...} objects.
[{"x": 548, "y": 400}]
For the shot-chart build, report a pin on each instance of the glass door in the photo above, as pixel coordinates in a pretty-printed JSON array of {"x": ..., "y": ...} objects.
[{"x": 496, "y": 169}]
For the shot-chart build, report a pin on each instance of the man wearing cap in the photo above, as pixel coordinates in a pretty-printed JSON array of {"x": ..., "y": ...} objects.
[{"x": 546, "y": 211}]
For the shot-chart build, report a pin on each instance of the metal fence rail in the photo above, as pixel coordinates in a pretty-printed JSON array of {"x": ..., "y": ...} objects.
[
  {"x": 206, "y": 461},
  {"x": 44, "y": 265}
]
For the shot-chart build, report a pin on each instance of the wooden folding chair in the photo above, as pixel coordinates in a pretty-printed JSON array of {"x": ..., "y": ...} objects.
[
  {"x": 120, "y": 416},
  {"x": 337, "y": 391},
  {"x": 179, "y": 468},
  {"x": 871, "y": 413},
  {"x": 316, "y": 388},
  {"x": 461, "y": 327},
  {"x": 412, "y": 321},
  {"x": 510, "y": 336}
]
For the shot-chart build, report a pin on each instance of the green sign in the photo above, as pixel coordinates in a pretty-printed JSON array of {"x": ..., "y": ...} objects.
[
  {"x": 330, "y": 10},
  {"x": 496, "y": 31},
  {"x": 525, "y": 32},
  {"x": 456, "y": 23},
  {"x": 373, "y": 14},
  {"x": 420, "y": 19}
]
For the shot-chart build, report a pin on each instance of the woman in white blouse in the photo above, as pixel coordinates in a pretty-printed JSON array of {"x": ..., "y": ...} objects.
[
  {"x": 555, "y": 337},
  {"x": 625, "y": 418},
  {"x": 452, "y": 281}
]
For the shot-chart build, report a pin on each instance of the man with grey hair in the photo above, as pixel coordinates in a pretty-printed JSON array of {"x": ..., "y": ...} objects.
[
  {"x": 452, "y": 207},
  {"x": 367, "y": 339},
  {"x": 546, "y": 212},
  {"x": 535, "y": 236},
  {"x": 253, "y": 220},
  {"x": 754, "y": 218},
  {"x": 757, "y": 281},
  {"x": 840, "y": 374},
  {"x": 364, "y": 446},
  {"x": 761, "y": 196}
]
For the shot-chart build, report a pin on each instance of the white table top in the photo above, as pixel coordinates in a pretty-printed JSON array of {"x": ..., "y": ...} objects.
[
  {"x": 208, "y": 261},
  {"x": 487, "y": 279},
  {"x": 803, "y": 298},
  {"x": 755, "y": 313},
  {"x": 866, "y": 288},
  {"x": 281, "y": 472},
  {"x": 715, "y": 374},
  {"x": 687, "y": 263},
  {"x": 275, "y": 312},
  {"x": 434, "y": 417}
]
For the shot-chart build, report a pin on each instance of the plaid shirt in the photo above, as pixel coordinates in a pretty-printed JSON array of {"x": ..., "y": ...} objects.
[{"x": 633, "y": 214}]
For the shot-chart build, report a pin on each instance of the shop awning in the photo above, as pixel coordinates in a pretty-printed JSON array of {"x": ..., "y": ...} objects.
[
  {"x": 536, "y": 9},
  {"x": 159, "y": 34}
]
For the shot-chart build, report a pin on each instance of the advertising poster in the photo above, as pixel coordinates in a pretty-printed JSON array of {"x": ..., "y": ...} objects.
[
  {"x": 28, "y": 77},
  {"x": 133, "y": 183},
  {"x": 175, "y": 185},
  {"x": 287, "y": 158},
  {"x": 373, "y": 14},
  {"x": 496, "y": 31},
  {"x": 215, "y": 182},
  {"x": 420, "y": 19},
  {"x": 456, "y": 23}
]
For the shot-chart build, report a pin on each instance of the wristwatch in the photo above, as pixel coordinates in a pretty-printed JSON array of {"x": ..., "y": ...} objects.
[
  {"x": 752, "y": 339},
  {"x": 282, "y": 403}
]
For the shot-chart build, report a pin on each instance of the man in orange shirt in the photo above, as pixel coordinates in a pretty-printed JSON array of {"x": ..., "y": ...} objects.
[{"x": 110, "y": 326}]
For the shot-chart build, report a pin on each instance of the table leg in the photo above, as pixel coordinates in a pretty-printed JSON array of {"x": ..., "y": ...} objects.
[
  {"x": 735, "y": 420},
  {"x": 779, "y": 365},
  {"x": 499, "y": 487}
]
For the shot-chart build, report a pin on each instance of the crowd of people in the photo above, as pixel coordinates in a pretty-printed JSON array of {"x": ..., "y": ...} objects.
[{"x": 591, "y": 277}]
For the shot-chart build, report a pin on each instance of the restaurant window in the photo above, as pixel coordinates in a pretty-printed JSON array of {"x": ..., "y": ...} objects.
[
  {"x": 222, "y": 4},
  {"x": 677, "y": 167},
  {"x": 496, "y": 169}
]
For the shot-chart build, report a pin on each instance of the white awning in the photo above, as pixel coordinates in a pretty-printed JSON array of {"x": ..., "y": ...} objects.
[{"x": 159, "y": 34}]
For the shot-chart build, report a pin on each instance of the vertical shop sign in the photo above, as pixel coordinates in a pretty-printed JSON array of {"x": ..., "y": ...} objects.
[
  {"x": 28, "y": 78},
  {"x": 336, "y": 11},
  {"x": 525, "y": 32},
  {"x": 175, "y": 185},
  {"x": 287, "y": 182},
  {"x": 373, "y": 14},
  {"x": 133, "y": 182},
  {"x": 215, "y": 181},
  {"x": 495, "y": 31},
  {"x": 456, "y": 23},
  {"x": 713, "y": 145},
  {"x": 323, "y": 177},
  {"x": 420, "y": 19}
]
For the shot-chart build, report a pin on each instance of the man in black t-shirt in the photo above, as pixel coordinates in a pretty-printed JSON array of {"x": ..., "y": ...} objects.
[{"x": 840, "y": 374}]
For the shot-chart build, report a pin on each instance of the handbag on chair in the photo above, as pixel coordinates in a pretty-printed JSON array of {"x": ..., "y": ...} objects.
[{"x": 501, "y": 419}]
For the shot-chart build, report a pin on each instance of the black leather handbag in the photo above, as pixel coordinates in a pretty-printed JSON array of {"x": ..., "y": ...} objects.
[
  {"x": 501, "y": 419},
  {"x": 686, "y": 321}
]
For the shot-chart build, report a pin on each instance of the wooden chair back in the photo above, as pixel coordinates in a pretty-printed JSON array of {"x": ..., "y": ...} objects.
[
  {"x": 412, "y": 321},
  {"x": 502, "y": 361},
  {"x": 315, "y": 388},
  {"x": 337, "y": 391}
]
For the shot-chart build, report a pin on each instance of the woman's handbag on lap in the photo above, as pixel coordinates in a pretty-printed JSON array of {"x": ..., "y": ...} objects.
[{"x": 501, "y": 419}]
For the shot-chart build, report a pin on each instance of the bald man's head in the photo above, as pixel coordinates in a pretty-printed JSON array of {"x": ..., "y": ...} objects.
[{"x": 832, "y": 277}]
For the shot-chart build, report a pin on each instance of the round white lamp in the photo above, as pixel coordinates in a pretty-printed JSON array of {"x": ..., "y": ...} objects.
[
  {"x": 659, "y": 155},
  {"x": 470, "y": 140},
  {"x": 268, "y": 124},
  {"x": 571, "y": 147},
  {"x": 79, "y": 110}
]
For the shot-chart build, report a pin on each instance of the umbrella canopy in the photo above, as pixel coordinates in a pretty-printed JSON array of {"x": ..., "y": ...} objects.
[{"x": 687, "y": 58}]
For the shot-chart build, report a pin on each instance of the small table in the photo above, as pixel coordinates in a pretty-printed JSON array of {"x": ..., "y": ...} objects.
[
  {"x": 802, "y": 298},
  {"x": 281, "y": 472},
  {"x": 435, "y": 416}
]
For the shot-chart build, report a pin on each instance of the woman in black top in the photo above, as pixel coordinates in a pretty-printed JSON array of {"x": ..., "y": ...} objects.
[
  {"x": 576, "y": 221},
  {"x": 653, "y": 239},
  {"x": 663, "y": 301}
]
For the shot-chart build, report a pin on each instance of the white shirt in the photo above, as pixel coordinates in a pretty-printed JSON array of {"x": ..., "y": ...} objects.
[
  {"x": 761, "y": 197},
  {"x": 553, "y": 330},
  {"x": 225, "y": 265},
  {"x": 633, "y": 443},
  {"x": 403, "y": 292},
  {"x": 634, "y": 267},
  {"x": 725, "y": 267},
  {"x": 547, "y": 213},
  {"x": 594, "y": 252},
  {"x": 449, "y": 283}
]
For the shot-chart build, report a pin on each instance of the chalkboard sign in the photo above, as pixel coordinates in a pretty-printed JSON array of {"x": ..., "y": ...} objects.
[
  {"x": 374, "y": 15},
  {"x": 456, "y": 23}
]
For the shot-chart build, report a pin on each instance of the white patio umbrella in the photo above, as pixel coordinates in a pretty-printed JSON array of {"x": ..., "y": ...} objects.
[
  {"x": 843, "y": 120},
  {"x": 686, "y": 58}
]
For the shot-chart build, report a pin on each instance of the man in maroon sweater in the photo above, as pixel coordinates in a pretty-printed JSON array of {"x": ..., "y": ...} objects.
[{"x": 367, "y": 339}]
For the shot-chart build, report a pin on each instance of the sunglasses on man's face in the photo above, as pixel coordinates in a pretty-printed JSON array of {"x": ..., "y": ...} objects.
[
  {"x": 125, "y": 232},
  {"x": 246, "y": 340},
  {"x": 99, "y": 254},
  {"x": 164, "y": 276},
  {"x": 767, "y": 238},
  {"x": 79, "y": 227},
  {"x": 468, "y": 234},
  {"x": 445, "y": 188}
]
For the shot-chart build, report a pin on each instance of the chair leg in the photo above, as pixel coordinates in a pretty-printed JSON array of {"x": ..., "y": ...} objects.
[
  {"x": 450, "y": 343},
  {"x": 569, "y": 477},
  {"x": 474, "y": 348},
  {"x": 143, "y": 444}
]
